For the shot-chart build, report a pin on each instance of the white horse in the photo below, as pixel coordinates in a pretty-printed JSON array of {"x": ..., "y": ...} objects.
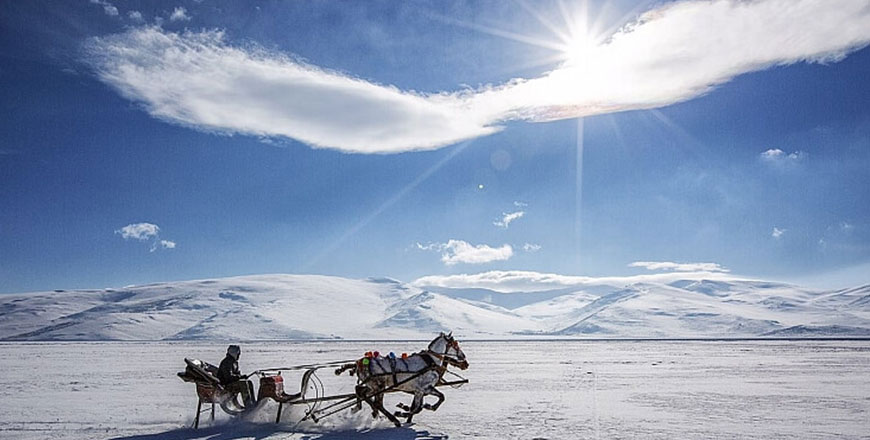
[{"x": 417, "y": 374}]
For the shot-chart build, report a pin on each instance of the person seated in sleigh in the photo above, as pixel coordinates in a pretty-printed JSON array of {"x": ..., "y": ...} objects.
[{"x": 231, "y": 379}]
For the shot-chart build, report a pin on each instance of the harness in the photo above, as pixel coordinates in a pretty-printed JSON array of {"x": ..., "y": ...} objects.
[
  {"x": 427, "y": 356},
  {"x": 433, "y": 360}
]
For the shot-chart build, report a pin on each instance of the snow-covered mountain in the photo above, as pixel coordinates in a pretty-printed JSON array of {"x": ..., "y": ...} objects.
[{"x": 321, "y": 307}]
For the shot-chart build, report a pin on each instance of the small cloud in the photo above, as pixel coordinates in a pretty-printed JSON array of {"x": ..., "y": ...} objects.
[
  {"x": 520, "y": 204},
  {"x": 777, "y": 156},
  {"x": 145, "y": 232},
  {"x": 162, "y": 244},
  {"x": 846, "y": 227},
  {"x": 507, "y": 218},
  {"x": 530, "y": 247},
  {"x": 777, "y": 233},
  {"x": 679, "y": 267},
  {"x": 179, "y": 14},
  {"x": 459, "y": 251},
  {"x": 139, "y": 231},
  {"x": 108, "y": 8},
  {"x": 135, "y": 16}
]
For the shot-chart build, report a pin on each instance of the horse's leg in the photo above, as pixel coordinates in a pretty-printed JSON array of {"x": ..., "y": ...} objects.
[
  {"x": 432, "y": 391},
  {"x": 379, "y": 406},
  {"x": 362, "y": 393},
  {"x": 379, "y": 402},
  {"x": 403, "y": 407},
  {"x": 416, "y": 405}
]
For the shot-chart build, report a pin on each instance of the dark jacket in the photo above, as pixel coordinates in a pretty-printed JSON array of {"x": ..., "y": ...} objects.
[{"x": 228, "y": 372}]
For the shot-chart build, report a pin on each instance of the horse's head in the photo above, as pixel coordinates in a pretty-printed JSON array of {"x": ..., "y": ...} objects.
[{"x": 448, "y": 347}]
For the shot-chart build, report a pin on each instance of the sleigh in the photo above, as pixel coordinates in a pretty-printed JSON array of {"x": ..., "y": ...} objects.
[
  {"x": 370, "y": 388},
  {"x": 210, "y": 391}
]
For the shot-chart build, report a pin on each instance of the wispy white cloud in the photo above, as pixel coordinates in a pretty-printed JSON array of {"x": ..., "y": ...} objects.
[
  {"x": 847, "y": 227},
  {"x": 670, "y": 54},
  {"x": 531, "y": 247},
  {"x": 777, "y": 156},
  {"x": 459, "y": 251},
  {"x": 507, "y": 218},
  {"x": 135, "y": 16},
  {"x": 108, "y": 8},
  {"x": 196, "y": 79},
  {"x": 777, "y": 233},
  {"x": 179, "y": 14},
  {"x": 527, "y": 281},
  {"x": 679, "y": 267},
  {"x": 145, "y": 232}
]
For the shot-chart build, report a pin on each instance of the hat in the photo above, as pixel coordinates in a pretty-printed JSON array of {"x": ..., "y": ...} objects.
[{"x": 234, "y": 351}]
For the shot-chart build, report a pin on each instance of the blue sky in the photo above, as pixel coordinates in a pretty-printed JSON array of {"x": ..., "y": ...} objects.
[{"x": 384, "y": 139}]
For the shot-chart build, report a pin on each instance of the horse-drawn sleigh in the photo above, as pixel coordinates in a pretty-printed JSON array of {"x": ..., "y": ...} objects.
[{"x": 419, "y": 374}]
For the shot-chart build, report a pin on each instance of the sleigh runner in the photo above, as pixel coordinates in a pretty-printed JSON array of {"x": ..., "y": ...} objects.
[{"x": 418, "y": 374}]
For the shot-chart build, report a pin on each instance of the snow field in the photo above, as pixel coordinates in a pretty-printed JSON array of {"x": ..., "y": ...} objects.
[{"x": 518, "y": 389}]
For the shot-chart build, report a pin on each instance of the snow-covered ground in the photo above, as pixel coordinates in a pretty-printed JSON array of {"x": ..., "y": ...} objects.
[
  {"x": 518, "y": 389},
  {"x": 265, "y": 307}
]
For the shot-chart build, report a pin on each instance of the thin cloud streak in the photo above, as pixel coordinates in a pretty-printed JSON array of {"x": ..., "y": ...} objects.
[
  {"x": 507, "y": 218},
  {"x": 528, "y": 281},
  {"x": 679, "y": 267},
  {"x": 674, "y": 53}
]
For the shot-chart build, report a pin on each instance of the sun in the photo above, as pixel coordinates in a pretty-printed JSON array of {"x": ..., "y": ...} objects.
[{"x": 578, "y": 48}]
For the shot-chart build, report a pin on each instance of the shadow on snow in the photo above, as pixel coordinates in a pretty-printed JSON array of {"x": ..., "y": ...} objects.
[{"x": 263, "y": 432}]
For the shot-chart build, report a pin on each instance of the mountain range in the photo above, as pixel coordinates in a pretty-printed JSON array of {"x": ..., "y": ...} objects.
[{"x": 269, "y": 307}]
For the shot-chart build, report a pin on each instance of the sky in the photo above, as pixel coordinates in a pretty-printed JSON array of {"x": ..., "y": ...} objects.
[{"x": 158, "y": 141}]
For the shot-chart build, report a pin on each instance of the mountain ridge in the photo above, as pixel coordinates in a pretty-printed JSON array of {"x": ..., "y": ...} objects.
[{"x": 278, "y": 306}]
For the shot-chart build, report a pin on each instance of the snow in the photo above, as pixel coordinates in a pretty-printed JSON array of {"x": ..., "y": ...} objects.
[
  {"x": 566, "y": 389},
  {"x": 305, "y": 307}
]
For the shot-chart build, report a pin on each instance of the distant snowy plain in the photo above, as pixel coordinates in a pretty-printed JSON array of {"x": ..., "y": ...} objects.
[{"x": 517, "y": 390}]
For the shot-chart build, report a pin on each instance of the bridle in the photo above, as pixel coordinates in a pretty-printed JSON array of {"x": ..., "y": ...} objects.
[{"x": 445, "y": 358}]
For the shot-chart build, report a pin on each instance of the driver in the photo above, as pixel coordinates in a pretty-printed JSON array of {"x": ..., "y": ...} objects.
[{"x": 232, "y": 379}]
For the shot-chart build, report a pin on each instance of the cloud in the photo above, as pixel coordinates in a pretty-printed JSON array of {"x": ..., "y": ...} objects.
[
  {"x": 459, "y": 251},
  {"x": 674, "y": 53},
  {"x": 139, "y": 231},
  {"x": 777, "y": 233},
  {"x": 507, "y": 218},
  {"x": 527, "y": 281},
  {"x": 179, "y": 14},
  {"x": 679, "y": 267},
  {"x": 145, "y": 232},
  {"x": 135, "y": 16},
  {"x": 777, "y": 156},
  {"x": 108, "y": 8},
  {"x": 198, "y": 80},
  {"x": 530, "y": 247},
  {"x": 846, "y": 227}
]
